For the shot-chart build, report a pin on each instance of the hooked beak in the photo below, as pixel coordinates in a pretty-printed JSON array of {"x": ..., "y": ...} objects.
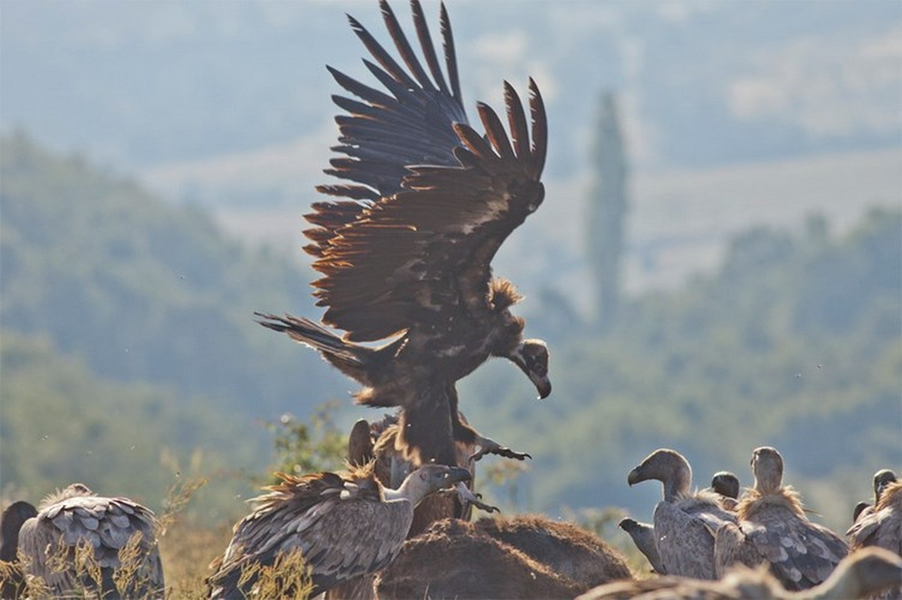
[
  {"x": 634, "y": 477},
  {"x": 531, "y": 356},
  {"x": 458, "y": 474}
]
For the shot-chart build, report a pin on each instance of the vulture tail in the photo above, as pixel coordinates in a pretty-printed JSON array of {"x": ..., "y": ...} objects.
[{"x": 350, "y": 359}]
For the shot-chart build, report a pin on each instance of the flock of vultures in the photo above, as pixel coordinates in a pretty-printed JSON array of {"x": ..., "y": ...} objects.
[{"x": 404, "y": 245}]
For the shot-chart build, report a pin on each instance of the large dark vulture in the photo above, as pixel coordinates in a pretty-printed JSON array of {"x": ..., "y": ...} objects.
[
  {"x": 773, "y": 530},
  {"x": 683, "y": 520},
  {"x": 859, "y": 575},
  {"x": 74, "y": 525},
  {"x": 406, "y": 252},
  {"x": 344, "y": 527}
]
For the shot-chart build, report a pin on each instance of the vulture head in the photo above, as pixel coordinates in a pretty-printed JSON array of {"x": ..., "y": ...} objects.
[
  {"x": 859, "y": 508},
  {"x": 667, "y": 466},
  {"x": 13, "y": 517},
  {"x": 427, "y": 480},
  {"x": 532, "y": 358},
  {"x": 882, "y": 479},
  {"x": 360, "y": 444},
  {"x": 767, "y": 466},
  {"x": 726, "y": 484}
]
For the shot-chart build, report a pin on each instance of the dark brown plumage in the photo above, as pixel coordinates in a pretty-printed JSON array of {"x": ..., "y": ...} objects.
[
  {"x": 344, "y": 526},
  {"x": 859, "y": 575},
  {"x": 453, "y": 559},
  {"x": 683, "y": 520},
  {"x": 882, "y": 528},
  {"x": 774, "y": 530},
  {"x": 407, "y": 251},
  {"x": 563, "y": 547},
  {"x": 76, "y": 516}
]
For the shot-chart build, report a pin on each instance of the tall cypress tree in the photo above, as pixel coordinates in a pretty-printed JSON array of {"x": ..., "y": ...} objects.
[{"x": 609, "y": 202}]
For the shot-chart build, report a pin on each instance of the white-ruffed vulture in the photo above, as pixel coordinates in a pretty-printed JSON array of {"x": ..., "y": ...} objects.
[
  {"x": 406, "y": 250},
  {"x": 773, "y": 530},
  {"x": 76, "y": 522},
  {"x": 343, "y": 526},
  {"x": 683, "y": 520},
  {"x": 643, "y": 536},
  {"x": 860, "y": 575}
]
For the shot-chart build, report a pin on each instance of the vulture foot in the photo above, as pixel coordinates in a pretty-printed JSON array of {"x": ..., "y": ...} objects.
[
  {"x": 468, "y": 497},
  {"x": 490, "y": 446}
]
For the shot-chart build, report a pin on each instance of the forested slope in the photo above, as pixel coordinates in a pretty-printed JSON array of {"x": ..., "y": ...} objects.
[{"x": 794, "y": 342}]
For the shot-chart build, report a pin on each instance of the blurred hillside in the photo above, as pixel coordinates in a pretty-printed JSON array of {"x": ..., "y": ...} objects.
[{"x": 129, "y": 355}]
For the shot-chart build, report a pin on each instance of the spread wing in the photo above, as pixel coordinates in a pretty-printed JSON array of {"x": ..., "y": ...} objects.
[
  {"x": 109, "y": 525},
  {"x": 433, "y": 199},
  {"x": 801, "y": 554},
  {"x": 339, "y": 527}
]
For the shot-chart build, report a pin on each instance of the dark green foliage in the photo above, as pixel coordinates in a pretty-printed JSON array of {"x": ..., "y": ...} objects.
[{"x": 146, "y": 291}]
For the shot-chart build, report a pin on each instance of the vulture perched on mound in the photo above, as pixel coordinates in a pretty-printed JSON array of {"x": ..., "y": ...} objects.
[
  {"x": 773, "y": 530},
  {"x": 882, "y": 479},
  {"x": 643, "y": 536},
  {"x": 343, "y": 526},
  {"x": 75, "y": 523},
  {"x": 454, "y": 559},
  {"x": 859, "y": 575},
  {"x": 683, "y": 520},
  {"x": 406, "y": 250}
]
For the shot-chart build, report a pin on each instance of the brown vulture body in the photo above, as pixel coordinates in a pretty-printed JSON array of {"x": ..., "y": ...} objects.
[
  {"x": 76, "y": 517},
  {"x": 683, "y": 520},
  {"x": 860, "y": 575},
  {"x": 406, "y": 251},
  {"x": 773, "y": 530},
  {"x": 343, "y": 526}
]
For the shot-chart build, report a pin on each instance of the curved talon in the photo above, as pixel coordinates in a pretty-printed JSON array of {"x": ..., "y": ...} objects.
[
  {"x": 490, "y": 447},
  {"x": 468, "y": 497}
]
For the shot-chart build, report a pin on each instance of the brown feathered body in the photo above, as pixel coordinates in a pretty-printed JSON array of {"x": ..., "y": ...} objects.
[
  {"x": 406, "y": 252},
  {"x": 344, "y": 526},
  {"x": 564, "y": 548},
  {"x": 860, "y": 575},
  {"x": 453, "y": 559},
  {"x": 774, "y": 530},
  {"x": 76, "y": 522}
]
